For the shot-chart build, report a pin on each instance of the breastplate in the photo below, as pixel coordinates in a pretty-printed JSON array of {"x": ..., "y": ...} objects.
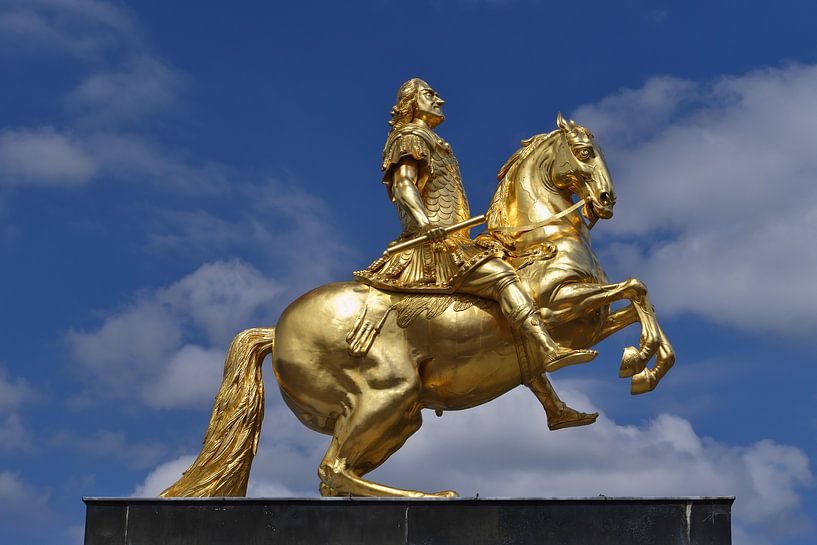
[{"x": 443, "y": 195}]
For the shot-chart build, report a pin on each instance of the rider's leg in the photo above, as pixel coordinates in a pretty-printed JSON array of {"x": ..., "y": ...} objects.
[
  {"x": 497, "y": 280},
  {"x": 558, "y": 413},
  {"x": 524, "y": 317}
]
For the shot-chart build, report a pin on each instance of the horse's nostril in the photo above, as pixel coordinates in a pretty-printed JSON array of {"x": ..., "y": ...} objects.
[{"x": 606, "y": 198}]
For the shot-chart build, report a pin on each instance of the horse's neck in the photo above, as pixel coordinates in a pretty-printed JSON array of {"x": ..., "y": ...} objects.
[{"x": 536, "y": 200}]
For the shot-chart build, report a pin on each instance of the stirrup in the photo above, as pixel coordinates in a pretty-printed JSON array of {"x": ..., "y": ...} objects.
[{"x": 562, "y": 357}]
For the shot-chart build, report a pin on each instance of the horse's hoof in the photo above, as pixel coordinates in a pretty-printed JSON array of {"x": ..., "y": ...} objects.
[
  {"x": 643, "y": 382},
  {"x": 326, "y": 490},
  {"x": 445, "y": 494},
  {"x": 631, "y": 362}
]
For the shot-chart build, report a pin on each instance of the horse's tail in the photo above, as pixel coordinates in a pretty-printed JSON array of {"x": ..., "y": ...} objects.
[{"x": 222, "y": 468}]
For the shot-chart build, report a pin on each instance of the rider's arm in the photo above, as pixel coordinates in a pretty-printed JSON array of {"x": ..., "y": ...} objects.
[{"x": 404, "y": 189}]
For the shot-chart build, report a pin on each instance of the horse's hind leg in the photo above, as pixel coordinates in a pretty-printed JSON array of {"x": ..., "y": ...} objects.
[
  {"x": 373, "y": 458},
  {"x": 377, "y": 423}
]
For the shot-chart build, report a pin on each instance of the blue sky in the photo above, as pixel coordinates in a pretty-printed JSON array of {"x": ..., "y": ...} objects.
[{"x": 171, "y": 173}]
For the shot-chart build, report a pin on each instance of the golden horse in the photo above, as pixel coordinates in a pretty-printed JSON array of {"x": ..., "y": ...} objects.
[{"x": 360, "y": 364}]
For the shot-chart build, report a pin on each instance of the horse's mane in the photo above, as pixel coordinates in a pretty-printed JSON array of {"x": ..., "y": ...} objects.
[
  {"x": 527, "y": 148},
  {"x": 496, "y": 214}
]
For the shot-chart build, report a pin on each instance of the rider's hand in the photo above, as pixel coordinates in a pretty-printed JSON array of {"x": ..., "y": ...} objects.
[{"x": 433, "y": 232}]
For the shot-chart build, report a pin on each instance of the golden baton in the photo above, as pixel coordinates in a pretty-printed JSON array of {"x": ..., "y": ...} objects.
[
  {"x": 473, "y": 222},
  {"x": 417, "y": 241}
]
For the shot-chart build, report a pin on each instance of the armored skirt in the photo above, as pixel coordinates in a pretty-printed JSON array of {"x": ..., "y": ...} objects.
[{"x": 438, "y": 267}]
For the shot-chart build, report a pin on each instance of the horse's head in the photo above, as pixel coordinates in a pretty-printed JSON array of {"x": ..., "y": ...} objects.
[
  {"x": 538, "y": 180},
  {"x": 579, "y": 167}
]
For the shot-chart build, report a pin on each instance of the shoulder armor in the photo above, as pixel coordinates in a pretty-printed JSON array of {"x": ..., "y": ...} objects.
[{"x": 409, "y": 140}]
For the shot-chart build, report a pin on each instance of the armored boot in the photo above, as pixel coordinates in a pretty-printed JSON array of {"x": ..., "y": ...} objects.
[
  {"x": 541, "y": 347},
  {"x": 543, "y": 353},
  {"x": 559, "y": 414}
]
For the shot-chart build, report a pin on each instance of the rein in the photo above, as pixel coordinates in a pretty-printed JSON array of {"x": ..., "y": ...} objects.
[
  {"x": 479, "y": 220},
  {"x": 532, "y": 226}
]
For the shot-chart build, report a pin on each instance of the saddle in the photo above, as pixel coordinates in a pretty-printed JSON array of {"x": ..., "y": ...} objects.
[
  {"x": 411, "y": 307},
  {"x": 408, "y": 308}
]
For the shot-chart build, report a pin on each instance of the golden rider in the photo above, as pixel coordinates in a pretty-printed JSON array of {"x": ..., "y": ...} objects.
[{"x": 423, "y": 180}]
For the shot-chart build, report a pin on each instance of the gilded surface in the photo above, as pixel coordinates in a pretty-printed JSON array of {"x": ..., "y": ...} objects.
[
  {"x": 437, "y": 266},
  {"x": 360, "y": 363}
]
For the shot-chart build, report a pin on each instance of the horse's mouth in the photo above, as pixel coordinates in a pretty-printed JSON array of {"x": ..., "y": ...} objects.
[{"x": 598, "y": 212}]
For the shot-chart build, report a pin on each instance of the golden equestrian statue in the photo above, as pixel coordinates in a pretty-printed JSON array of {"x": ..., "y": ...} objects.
[{"x": 440, "y": 321}]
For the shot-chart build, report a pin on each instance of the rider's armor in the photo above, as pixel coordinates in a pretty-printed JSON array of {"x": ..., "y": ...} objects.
[
  {"x": 435, "y": 266},
  {"x": 458, "y": 264}
]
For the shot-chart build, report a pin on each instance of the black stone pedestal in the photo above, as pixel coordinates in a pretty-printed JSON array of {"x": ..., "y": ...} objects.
[{"x": 387, "y": 521}]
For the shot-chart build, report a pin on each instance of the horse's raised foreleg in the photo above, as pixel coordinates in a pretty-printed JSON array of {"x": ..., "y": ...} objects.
[
  {"x": 575, "y": 300},
  {"x": 617, "y": 321},
  {"x": 647, "y": 379},
  {"x": 644, "y": 379}
]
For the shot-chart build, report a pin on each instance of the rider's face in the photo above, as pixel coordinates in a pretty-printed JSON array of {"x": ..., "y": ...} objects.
[{"x": 429, "y": 106}]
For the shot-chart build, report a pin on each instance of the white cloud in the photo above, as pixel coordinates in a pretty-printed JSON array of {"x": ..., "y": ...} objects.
[
  {"x": 12, "y": 487},
  {"x": 22, "y": 503},
  {"x": 13, "y": 435},
  {"x": 131, "y": 158},
  {"x": 125, "y": 84},
  {"x": 86, "y": 29},
  {"x": 219, "y": 295},
  {"x": 717, "y": 194},
  {"x": 129, "y": 348},
  {"x": 137, "y": 352},
  {"x": 44, "y": 156},
  {"x": 286, "y": 462},
  {"x": 189, "y": 379},
  {"x": 288, "y": 452},
  {"x": 291, "y": 226},
  {"x": 140, "y": 87},
  {"x": 165, "y": 349},
  {"x": 196, "y": 232},
  {"x": 637, "y": 114},
  {"x": 14, "y": 392},
  {"x": 162, "y": 477},
  {"x": 503, "y": 449},
  {"x": 76, "y": 534},
  {"x": 111, "y": 445}
]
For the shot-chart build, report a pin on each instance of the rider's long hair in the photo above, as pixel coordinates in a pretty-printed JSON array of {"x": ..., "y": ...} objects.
[{"x": 404, "y": 109}]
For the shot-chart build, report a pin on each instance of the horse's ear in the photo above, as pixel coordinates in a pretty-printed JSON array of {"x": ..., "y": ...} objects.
[{"x": 561, "y": 123}]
